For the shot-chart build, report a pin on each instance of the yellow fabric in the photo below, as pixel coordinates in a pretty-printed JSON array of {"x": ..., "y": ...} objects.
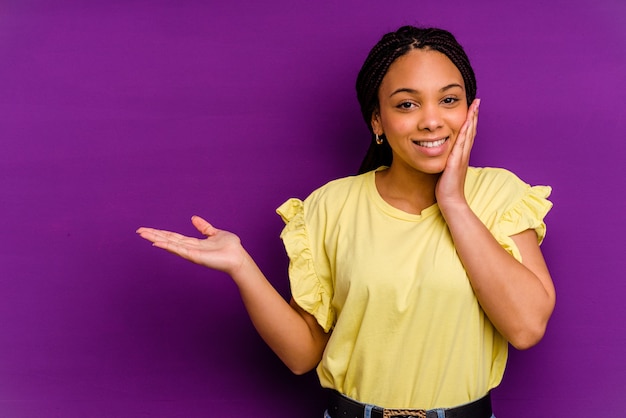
[{"x": 407, "y": 330}]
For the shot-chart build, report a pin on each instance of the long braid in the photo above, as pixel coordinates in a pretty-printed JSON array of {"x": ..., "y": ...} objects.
[{"x": 392, "y": 46}]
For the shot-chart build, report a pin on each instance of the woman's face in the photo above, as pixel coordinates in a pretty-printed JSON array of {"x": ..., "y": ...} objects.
[{"x": 422, "y": 108}]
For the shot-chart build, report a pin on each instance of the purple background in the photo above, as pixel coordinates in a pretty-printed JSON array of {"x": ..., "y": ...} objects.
[{"x": 118, "y": 114}]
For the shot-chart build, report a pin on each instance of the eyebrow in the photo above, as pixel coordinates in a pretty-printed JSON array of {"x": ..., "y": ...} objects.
[{"x": 413, "y": 91}]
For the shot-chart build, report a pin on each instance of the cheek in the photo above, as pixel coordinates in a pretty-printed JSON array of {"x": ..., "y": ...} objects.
[
  {"x": 457, "y": 121},
  {"x": 398, "y": 124}
]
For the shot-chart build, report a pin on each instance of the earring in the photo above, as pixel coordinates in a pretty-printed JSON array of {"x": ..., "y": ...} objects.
[{"x": 379, "y": 140}]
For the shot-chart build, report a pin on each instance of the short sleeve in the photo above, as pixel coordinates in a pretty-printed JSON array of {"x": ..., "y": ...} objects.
[
  {"x": 308, "y": 288},
  {"x": 527, "y": 213}
]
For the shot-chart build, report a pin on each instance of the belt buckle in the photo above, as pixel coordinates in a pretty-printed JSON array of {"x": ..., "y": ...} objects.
[{"x": 402, "y": 413}]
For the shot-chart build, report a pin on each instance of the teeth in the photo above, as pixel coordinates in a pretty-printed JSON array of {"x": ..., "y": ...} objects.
[{"x": 431, "y": 144}]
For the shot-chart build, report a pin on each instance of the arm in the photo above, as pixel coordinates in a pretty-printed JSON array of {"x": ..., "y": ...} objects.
[
  {"x": 517, "y": 297},
  {"x": 293, "y": 334}
]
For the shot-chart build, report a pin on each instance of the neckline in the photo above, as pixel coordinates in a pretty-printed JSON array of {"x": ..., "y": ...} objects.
[{"x": 390, "y": 210}]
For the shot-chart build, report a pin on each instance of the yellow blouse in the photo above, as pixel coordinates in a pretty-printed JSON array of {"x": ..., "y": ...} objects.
[{"x": 407, "y": 330}]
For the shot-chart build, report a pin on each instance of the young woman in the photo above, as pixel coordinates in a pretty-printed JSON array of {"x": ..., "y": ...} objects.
[{"x": 410, "y": 279}]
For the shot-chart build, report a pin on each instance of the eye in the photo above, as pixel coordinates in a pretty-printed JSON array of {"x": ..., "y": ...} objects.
[
  {"x": 449, "y": 100},
  {"x": 406, "y": 105}
]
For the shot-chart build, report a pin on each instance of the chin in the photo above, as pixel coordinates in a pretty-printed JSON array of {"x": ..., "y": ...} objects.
[{"x": 431, "y": 169}]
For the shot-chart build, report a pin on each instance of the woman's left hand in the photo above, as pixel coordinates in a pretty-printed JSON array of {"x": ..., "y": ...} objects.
[{"x": 451, "y": 184}]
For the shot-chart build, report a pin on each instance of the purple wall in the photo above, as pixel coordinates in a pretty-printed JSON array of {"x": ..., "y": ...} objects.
[{"x": 118, "y": 114}]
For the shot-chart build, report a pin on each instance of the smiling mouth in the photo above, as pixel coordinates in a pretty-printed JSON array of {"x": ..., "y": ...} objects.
[{"x": 431, "y": 144}]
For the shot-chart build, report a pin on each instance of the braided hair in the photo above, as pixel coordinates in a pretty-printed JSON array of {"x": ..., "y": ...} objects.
[{"x": 392, "y": 46}]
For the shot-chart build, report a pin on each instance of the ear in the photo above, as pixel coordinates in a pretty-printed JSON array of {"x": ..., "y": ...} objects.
[{"x": 377, "y": 126}]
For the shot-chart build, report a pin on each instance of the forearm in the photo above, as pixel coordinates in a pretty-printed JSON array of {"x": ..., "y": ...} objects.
[
  {"x": 293, "y": 334},
  {"x": 517, "y": 299},
  {"x": 297, "y": 342}
]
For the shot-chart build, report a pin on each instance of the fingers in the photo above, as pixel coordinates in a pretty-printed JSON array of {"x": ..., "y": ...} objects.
[
  {"x": 172, "y": 242},
  {"x": 175, "y": 243},
  {"x": 474, "y": 118},
  {"x": 203, "y": 226},
  {"x": 155, "y": 235},
  {"x": 471, "y": 131},
  {"x": 467, "y": 133},
  {"x": 473, "y": 115},
  {"x": 149, "y": 234},
  {"x": 174, "y": 248}
]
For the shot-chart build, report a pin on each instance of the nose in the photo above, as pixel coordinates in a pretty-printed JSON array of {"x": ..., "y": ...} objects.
[{"x": 430, "y": 118}]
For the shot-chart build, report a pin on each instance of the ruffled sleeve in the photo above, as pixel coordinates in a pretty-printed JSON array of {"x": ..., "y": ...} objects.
[
  {"x": 527, "y": 213},
  {"x": 310, "y": 288}
]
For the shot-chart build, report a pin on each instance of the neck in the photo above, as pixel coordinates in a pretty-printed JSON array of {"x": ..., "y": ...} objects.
[{"x": 408, "y": 190}]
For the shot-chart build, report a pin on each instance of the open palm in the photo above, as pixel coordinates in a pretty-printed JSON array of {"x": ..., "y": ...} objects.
[{"x": 220, "y": 250}]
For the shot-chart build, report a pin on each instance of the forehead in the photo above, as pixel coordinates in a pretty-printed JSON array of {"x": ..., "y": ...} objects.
[{"x": 421, "y": 69}]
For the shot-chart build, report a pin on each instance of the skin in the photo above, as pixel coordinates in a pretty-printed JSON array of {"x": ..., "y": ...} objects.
[
  {"x": 293, "y": 334},
  {"x": 422, "y": 97}
]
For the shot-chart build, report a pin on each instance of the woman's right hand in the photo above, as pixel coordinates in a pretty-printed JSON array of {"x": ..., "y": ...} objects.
[{"x": 220, "y": 250}]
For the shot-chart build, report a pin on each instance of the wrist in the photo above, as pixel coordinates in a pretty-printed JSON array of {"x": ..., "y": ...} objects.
[
  {"x": 242, "y": 267},
  {"x": 456, "y": 213},
  {"x": 453, "y": 206}
]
